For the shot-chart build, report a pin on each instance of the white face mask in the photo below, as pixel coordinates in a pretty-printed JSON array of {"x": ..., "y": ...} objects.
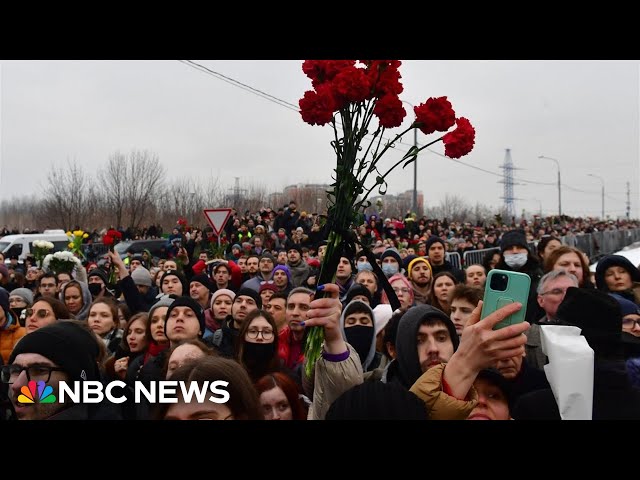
[{"x": 515, "y": 260}]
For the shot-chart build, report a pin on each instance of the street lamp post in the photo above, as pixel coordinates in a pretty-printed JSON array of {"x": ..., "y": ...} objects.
[
  {"x": 559, "y": 184},
  {"x": 414, "y": 206},
  {"x": 602, "y": 182}
]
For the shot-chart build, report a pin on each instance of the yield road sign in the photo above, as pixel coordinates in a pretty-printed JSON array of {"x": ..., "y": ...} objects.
[{"x": 217, "y": 218}]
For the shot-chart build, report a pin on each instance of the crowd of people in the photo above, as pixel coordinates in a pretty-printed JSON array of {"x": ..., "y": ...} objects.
[{"x": 403, "y": 337}]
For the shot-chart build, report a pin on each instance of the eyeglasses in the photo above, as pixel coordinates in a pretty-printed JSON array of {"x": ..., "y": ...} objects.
[
  {"x": 555, "y": 292},
  {"x": 402, "y": 290},
  {"x": 267, "y": 282},
  {"x": 10, "y": 373},
  {"x": 630, "y": 323},
  {"x": 40, "y": 313},
  {"x": 266, "y": 334}
]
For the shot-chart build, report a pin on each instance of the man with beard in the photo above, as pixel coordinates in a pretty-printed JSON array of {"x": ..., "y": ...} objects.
[
  {"x": 436, "y": 251},
  {"x": 224, "y": 338},
  {"x": 344, "y": 277},
  {"x": 426, "y": 337},
  {"x": 419, "y": 272},
  {"x": 291, "y": 339},
  {"x": 297, "y": 266},
  {"x": 277, "y": 307}
]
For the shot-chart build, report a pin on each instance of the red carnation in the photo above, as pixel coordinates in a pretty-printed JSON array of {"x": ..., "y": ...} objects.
[
  {"x": 389, "y": 111},
  {"x": 385, "y": 77},
  {"x": 107, "y": 240},
  {"x": 435, "y": 114},
  {"x": 352, "y": 84},
  {"x": 317, "y": 108},
  {"x": 322, "y": 71},
  {"x": 460, "y": 141}
]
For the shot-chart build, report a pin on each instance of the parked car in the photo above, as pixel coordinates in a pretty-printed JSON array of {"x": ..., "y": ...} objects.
[
  {"x": 22, "y": 244},
  {"x": 157, "y": 247}
]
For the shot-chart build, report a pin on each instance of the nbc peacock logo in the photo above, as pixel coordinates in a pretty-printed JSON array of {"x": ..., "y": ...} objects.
[{"x": 36, "y": 392}]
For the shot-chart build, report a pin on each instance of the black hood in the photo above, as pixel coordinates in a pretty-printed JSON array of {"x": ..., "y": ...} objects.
[{"x": 408, "y": 369}]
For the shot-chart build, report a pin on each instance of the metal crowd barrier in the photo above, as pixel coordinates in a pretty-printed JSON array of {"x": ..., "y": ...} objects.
[
  {"x": 454, "y": 258},
  {"x": 476, "y": 256}
]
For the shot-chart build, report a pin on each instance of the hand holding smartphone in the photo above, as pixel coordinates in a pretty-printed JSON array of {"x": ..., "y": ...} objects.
[{"x": 502, "y": 288}]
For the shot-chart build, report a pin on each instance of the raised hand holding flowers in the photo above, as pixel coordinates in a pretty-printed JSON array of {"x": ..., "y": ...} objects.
[
  {"x": 348, "y": 94},
  {"x": 40, "y": 250},
  {"x": 75, "y": 242},
  {"x": 111, "y": 239},
  {"x": 61, "y": 262}
]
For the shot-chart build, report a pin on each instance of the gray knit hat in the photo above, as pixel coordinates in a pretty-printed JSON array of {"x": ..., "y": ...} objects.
[
  {"x": 164, "y": 301},
  {"x": 24, "y": 293},
  {"x": 141, "y": 276}
]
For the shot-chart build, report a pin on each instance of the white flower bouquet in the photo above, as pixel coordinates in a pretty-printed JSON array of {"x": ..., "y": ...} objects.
[
  {"x": 40, "y": 250},
  {"x": 61, "y": 262}
]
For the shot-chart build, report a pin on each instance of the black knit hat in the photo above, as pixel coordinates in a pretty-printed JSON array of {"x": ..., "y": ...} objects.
[
  {"x": 250, "y": 292},
  {"x": 513, "y": 238},
  {"x": 98, "y": 272},
  {"x": 204, "y": 280},
  {"x": 69, "y": 345},
  {"x": 4, "y": 300},
  {"x": 614, "y": 261},
  {"x": 377, "y": 401},
  {"x": 392, "y": 252},
  {"x": 295, "y": 246},
  {"x": 597, "y": 314},
  {"x": 193, "y": 305},
  {"x": 494, "y": 376},
  {"x": 433, "y": 239},
  {"x": 168, "y": 273},
  {"x": 355, "y": 290}
]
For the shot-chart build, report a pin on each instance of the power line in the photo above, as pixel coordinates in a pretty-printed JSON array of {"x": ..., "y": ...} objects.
[
  {"x": 291, "y": 106},
  {"x": 241, "y": 85}
]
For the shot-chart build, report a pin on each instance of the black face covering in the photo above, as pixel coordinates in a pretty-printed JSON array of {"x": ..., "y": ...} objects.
[
  {"x": 95, "y": 289},
  {"x": 258, "y": 354},
  {"x": 17, "y": 313},
  {"x": 360, "y": 338}
]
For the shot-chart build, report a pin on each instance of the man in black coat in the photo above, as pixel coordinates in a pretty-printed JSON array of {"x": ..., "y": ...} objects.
[{"x": 614, "y": 398}]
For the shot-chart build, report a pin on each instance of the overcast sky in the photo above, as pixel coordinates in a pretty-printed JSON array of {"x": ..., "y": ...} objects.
[{"x": 583, "y": 113}]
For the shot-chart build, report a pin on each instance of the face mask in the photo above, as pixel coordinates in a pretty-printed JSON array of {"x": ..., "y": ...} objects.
[
  {"x": 360, "y": 338},
  {"x": 20, "y": 314},
  {"x": 95, "y": 288},
  {"x": 364, "y": 266},
  {"x": 281, "y": 235},
  {"x": 515, "y": 260},
  {"x": 259, "y": 354},
  {"x": 389, "y": 269}
]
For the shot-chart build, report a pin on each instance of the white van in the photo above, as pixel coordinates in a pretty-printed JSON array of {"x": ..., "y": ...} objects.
[{"x": 22, "y": 244}]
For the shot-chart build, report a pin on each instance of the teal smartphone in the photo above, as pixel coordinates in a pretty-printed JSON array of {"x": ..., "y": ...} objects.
[{"x": 502, "y": 288}]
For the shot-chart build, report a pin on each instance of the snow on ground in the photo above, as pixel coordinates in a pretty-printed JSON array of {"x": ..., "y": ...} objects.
[{"x": 632, "y": 252}]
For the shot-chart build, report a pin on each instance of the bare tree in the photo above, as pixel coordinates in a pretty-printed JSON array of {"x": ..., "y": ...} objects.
[
  {"x": 113, "y": 182},
  {"x": 66, "y": 195},
  {"x": 145, "y": 176}
]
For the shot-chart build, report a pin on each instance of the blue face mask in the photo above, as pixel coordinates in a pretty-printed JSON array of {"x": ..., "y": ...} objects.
[
  {"x": 389, "y": 269},
  {"x": 364, "y": 266}
]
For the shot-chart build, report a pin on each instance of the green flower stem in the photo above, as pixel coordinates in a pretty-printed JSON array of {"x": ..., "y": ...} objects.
[{"x": 315, "y": 337}]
